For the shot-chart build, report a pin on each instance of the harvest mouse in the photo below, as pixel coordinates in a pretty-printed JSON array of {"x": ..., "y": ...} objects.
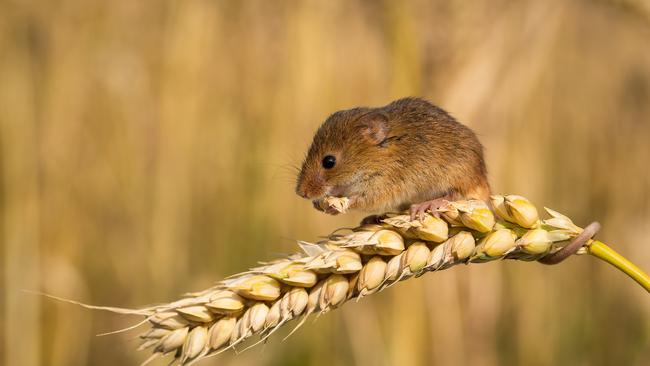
[{"x": 408, "y": 154}]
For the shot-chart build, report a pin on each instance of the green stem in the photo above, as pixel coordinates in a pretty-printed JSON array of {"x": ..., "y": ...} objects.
[{"x": 600, "y": 250}]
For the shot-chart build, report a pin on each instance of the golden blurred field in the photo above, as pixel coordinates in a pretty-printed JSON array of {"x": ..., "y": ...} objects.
[{"x": 148, "y": 149}]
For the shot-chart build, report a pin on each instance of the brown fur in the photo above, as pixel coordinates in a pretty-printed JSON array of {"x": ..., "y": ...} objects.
[{"x": 391, "y": 157}]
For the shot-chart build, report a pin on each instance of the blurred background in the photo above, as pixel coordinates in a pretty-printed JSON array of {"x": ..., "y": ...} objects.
[{"x": 149, "y": 148}]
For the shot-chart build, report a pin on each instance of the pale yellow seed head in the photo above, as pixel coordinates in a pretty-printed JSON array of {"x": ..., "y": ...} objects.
[
  {"x": 257, "y": 317},
  {"x": 438, "y": 256},
  {"x": 225, "y": 302},
  {"x": 169, "y": 320},
  {"x": 337, "y": 260},
  {"x": 348, "y": 262},
  {"x": 499, "y": 205},
  {"x": 197, "y": 313},
  {"x": 498, "y": 243},
  {"x": 259, "y": 287},
  {"x": 433, "y": 229},
  {"x": 220, "y": 333},
  {"x": 173, "y": 340},
  {"x": 285, "y": 311},
  {"x": 296, "y": 301},
  {"x": 535, "y": 241},
  {"x": 522, "y": 211},
  {"x": 314, "y": 297},
  {"x": 388, "y": 242},
  {"x": 416, "y": 257},
  {"x": 274, "y": 315},
  {"x": 195, "y": 343},
  {"x": 244, "y": 325},
  {"x": 296, "y": 275},
  {"x": 334, "y": 292},
  {"x": 561, "y": 222},
  {"x": 236, "y": 331},
  {"x": 479, "y": 218},
  {"x": 393, "y": 268},
  {"x": 462, "y": 245},
  {"x": 451, "y": 214},
  {"x": 372, "y": 274}
]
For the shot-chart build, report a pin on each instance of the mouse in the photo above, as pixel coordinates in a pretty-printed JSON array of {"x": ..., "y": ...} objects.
[{"x": 408, "y": 155}]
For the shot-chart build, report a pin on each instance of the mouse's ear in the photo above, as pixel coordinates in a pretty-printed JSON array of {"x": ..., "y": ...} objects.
[{"x": 374, "y": 127}]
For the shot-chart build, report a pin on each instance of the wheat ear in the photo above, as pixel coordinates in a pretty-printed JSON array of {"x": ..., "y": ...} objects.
[{"x": 357, "y": 263}]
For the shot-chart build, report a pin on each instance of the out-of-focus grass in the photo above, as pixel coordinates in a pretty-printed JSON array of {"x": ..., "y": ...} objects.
[{"x": 148, "y": 148}]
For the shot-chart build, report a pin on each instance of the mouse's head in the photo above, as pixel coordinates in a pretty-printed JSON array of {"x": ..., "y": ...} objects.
[{"x": 347, "y": 155}]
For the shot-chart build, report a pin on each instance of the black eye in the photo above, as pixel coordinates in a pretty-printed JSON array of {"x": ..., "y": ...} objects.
[{"x": 329, "y": 161}]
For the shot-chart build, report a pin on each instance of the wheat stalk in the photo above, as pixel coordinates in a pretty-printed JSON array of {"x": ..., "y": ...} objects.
[{"x": 353, "y": 264}]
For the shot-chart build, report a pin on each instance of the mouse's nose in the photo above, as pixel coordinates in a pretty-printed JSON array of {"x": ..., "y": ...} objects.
[{"x": 309, "y": 189}]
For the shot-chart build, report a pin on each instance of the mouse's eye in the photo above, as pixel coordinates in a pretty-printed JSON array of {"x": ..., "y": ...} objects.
[{"x": 329, "y": 161}]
